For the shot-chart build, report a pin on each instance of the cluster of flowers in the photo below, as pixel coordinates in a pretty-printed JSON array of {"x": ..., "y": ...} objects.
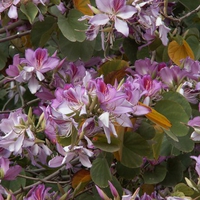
[
  {"x": 75, "y": 100},
  {"x": 140, "y": 20},
  {"x": 11, "y": 6}
]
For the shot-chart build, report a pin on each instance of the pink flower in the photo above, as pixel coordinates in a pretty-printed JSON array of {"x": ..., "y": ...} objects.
[
  {"x": 15, "y": 135},
  {"x": 70, "y": 152},
  {"x": 71, "y": 99},
  {"x": 195, "y": 124},
  {"x": 7, "y": 172},
  {"x": 12, "y": 5},
  {"x": 36, "y": 63},
  {"x": 40, "y": 192},
  {"x": 197, "y": 167}
]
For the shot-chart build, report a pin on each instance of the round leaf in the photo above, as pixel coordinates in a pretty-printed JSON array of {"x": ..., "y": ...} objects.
[
  {"x": 174, "y": 172},
  {"x": 100, "y": 172},
  {"x": 180, "y": 99},
  {"x": 100, "y": 141},
  {"x": 71, "y": 28},
  {"x": 178, "y": 52},
  {"x": 175, "y": 114},
  {"x": 155, "y": 176}
]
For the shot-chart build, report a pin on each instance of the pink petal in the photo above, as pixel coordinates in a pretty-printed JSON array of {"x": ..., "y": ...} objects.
[
  {"x": 85, "y": 160},
  {"x": 56, "y": 161},
  {"x": 99, "y": 19},
  {"x": 140, "y": 110},
  {"x": 12, "y": 172},
  {"x": 104, "y": 5},
  {"x": 12, "y": 13},
  {"x": 126, "y": 12}
]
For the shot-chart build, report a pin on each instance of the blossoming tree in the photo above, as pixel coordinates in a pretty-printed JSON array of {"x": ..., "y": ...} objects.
[{"x": 99, "y": 99}]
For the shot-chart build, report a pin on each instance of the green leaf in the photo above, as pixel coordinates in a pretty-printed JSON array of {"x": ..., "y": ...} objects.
[
  {"x": 162, "y": 54},
  {"x": 184, "y": 144},
  {"x": 171, "y": 135},
  {"x": 146, "y": 130},
  {"x": 132, "y": 150},
  {"x": 180, "y": 99},
  {"x": 181, "y": 187},
  {"x": 3, "y": 59},
  {"x": 30, "y": 10},
  {"x": 137, "y": 144},
  {"x": 174, "y": 172},
  {"x": 4, "y": 47},
  {"x": 195, "y": 45},
  {"x": 71, "y": 28},
  {"x": 157, "y": 144},
  {"x": 76, "y": 50},
  {"x": 190, "y": 5},
  {"x": 130, "y": 48},
  {"x": 100, "y": 172},
  {"x": 64, "y": 141},
  {"x": 111, "y": 66},
  {"x": 155, "y": 176},
  {"x": 143, "y": 53},
  {"x": 41, "y": 31},
  {"x": 100, "y": 141},
  {"x": 175, "y": 114},
  {"x": 16, "y": 184},
  {"x": 126, "y": 172}
]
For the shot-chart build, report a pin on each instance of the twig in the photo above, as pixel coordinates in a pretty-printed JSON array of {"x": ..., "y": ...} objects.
[
  {"x": 12, "y": 26},
  {"x": 18, "y": 35},
  {"x": 183, "y": 17},
  {"x": 40, "y": 181},
  {"x": 25, "y": 105},
  {"x": 9, "y": 100}
]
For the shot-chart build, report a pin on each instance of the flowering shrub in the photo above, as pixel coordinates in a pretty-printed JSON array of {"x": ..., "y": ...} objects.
[{"x": 99, "y": 100}]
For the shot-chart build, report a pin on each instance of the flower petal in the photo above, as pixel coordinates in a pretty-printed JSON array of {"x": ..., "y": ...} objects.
[
  {"x": 12, "y": 13},
  {"x": 126, "y": 12},
  {"x": 33, "y": 85},
  {"x": 99, "y": 19},
  {"x": 104, "y": 5},
  {"x": 122, "y": 27}
]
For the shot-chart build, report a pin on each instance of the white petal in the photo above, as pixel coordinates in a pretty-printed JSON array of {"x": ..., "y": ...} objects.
[
  {"x": 104, "y": 118},
  {"x": 122, "y": 27},
  {"x": 33, "y": 85}
]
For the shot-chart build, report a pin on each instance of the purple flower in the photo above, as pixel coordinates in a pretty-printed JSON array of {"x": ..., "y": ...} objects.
[
  {"x": 195, "y": 123},
  {"x": 163, "y": 31},
  {"x": 172, "y": 76},
  {"x": 7, "y": 172},
  {"x": 70, "y": 152},
  {"x": 71, "y": 99},
  {"x": 39, "y": 192},
  {"x": 36, "y": 63},
  {"x": 116, "y": 11},
  {"x": 16, "y": 135},
  {"x": 12, "y": 5},
  {"x": 151, "y": 88}
]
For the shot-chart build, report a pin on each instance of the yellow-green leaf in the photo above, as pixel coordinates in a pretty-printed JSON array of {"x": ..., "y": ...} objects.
[{"x": 82, "y": 6}]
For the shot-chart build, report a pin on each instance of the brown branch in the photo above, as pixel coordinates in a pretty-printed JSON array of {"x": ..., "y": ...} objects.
[
  {"x": 12, "y": 26},
  {"x": 39, "y": 182},
  {"x": 18, "y": 35},
  {"x": 183, "y": 17}
]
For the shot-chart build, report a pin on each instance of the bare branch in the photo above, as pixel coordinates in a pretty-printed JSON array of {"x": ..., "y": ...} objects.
[
  {"x": 18, "y": 35},
  {"x": 12, "y": 26}
]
